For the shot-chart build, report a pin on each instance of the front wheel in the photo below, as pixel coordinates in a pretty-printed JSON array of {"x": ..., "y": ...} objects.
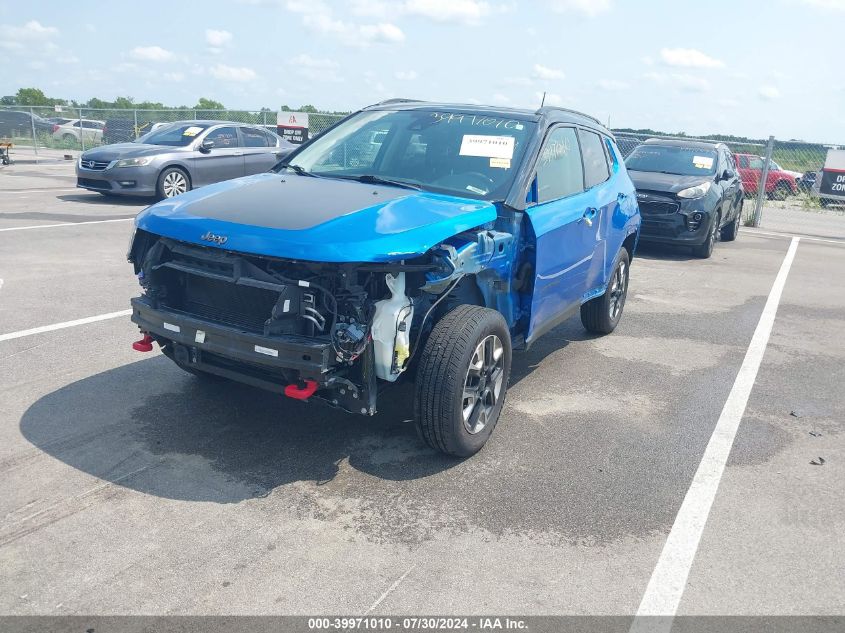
[
  {"x": 706, "y": 250},
  {"x": 462, "y": 380},
  {"x": 602, "y": 314},
  {"x": 730, "y": 231},
  {"x": 172, "y": 181}
]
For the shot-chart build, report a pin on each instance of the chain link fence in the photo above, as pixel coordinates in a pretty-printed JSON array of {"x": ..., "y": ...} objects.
[
  {"x": 46, "y": 130},
  {"x": 792, "y": 170}
]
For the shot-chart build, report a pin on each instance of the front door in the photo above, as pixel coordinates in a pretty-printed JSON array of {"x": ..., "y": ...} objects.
[
  {"x": 259, "y": 151},
  {"x": 223, "y": 161},
  {"x": 565, "y": 220}
]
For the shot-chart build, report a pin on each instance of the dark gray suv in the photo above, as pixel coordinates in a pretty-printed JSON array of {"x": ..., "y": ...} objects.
[{"x": 179, "y": 157}]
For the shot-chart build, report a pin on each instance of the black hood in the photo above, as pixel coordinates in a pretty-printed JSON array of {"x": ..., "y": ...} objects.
[
  {"x": 128, "y": 150},
  {"x": 666, "y": 183}
]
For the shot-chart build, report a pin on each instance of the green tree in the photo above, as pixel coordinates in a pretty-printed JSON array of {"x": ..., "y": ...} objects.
[
  {"x": 208, "y": 104},
  {"x": 31, "y": 97}
]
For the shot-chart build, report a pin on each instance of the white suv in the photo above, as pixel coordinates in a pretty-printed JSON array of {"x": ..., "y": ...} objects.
[{"x": 88, "y": 130}]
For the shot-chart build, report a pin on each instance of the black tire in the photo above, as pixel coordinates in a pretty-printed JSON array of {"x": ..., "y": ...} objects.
[
  {"x": 704, "y": 251},
  {"x": 69, "y": 138},
  {"x": 164, "y": 189},
  {"x": 444, "y": 373},
  {"x": 782, "y": 191},
  {"x": 602, "y": 314},
  {"x": 729, "y": 233}
]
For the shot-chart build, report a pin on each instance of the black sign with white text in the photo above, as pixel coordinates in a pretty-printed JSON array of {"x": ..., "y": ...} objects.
[{"x": 833, "y": 183}]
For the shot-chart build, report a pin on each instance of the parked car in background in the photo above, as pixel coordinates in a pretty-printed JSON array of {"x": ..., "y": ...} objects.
[
  {"x": 57, "y": 120},
  {"x": 807, "y": 182},
  {"x": 689, "y": 193},
  {"x": 89, "y": 131},
  {"x": 19, "y": 124},
  {"x": 179, "y": 157},
  {"x": 779, "y": 184},
  {"x": 465, "y": 231}
]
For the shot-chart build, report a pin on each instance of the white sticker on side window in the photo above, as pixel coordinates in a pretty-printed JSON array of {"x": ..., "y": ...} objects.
[
  {"x": 487, "y": 146},
  {"x": 702, "y": 162}
]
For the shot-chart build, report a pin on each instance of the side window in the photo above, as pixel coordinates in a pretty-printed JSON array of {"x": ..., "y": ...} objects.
[
  {"x": 595, "y": 162},
  {"x": 224, "y": 137},
  {"x": 271, "y": 138},
  {"x": 611, "y": 152},
  {"x": 559, "y": 170},
  {"x": 253, "y": 137},
  {"x": 756, "y": 163}
]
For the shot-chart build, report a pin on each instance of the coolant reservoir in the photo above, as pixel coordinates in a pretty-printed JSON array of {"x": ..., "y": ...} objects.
[{"x": 392, "y": 328}]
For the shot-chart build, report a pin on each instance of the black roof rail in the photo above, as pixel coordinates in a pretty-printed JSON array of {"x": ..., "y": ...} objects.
[
  {"x": 399, "y": 100},
  {"x": 571, "y": 111}
]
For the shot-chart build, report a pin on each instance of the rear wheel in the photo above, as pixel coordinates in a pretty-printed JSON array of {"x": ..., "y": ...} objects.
[
  {"x": 69, "y": 138},
  {"x": 172, "y": 182},
  {"x": 602, "y": 314},
  {"x": 706, "y": 250},
  {"x": 462, "y": 380},
  {"x": 782, "y": 191}
]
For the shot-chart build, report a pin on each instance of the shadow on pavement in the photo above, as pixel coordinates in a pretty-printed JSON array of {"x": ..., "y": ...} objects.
[{"x": 205, "y": 439}]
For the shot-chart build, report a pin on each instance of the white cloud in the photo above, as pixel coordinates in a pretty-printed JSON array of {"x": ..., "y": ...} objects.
[
  {"x": 151, "y": 53},
  {"x": 545, "y": 73},
  {"x": 834, "y": 5},
  {"x": 320, "y": 18},
  {"x": 768, "y": 92},
  {"x": 406, "y": 75},
  {"x": 175, "y": 77},
  {"x": 466, "y": 11},
  {"x": 551, "y": 99},
  {"x": 320, "y": 69},
  {"x": 232, "y": 73},
  {"x": 217, "y": 39},
  {"x": 589, "y": 8},
  {"x": 688, "y": 58},
  {"x": 613, "y": 84},
  {"x": 501, "y": 99},
  {"x": 31, "y": 31}
]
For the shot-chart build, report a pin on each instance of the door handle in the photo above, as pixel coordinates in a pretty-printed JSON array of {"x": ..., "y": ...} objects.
[{"x": 237, "y": 154}]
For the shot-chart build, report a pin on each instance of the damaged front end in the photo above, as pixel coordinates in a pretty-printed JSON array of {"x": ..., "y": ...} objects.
[{"x": 305, "y": 329}]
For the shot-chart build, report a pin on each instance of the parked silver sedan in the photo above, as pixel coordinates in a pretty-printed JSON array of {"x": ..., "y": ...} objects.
[{"x": 179, "y": 157}]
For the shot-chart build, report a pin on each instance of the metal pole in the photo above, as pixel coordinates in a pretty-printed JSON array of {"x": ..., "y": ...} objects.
[
  {"x": 34, "y": 137},
  {"x": 264, "y": 118},
  {"x": 81, "y": 131},
  {"x": 135, "y": 112},
  {"x": 761, "y": 186}
]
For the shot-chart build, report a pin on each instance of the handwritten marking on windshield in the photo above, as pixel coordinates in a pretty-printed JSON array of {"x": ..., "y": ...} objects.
[{"x": 474, "y": 119}]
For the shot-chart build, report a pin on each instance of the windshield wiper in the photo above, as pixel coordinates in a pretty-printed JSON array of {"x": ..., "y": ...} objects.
[
  {"x": 298, "y": 169},
  {"x": 378, "y": 180}
]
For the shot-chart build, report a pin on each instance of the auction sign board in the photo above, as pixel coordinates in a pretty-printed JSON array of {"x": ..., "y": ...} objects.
[
  {"x": 292, "y": 126},
  {"x": 833, "y": 174}
]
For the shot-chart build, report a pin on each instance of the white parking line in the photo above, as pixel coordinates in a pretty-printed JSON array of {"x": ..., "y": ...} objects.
[
  {"x": 63, "y": 325},
  {"x": 669, "y": 579},
  {"x": 21, "y": 192},
  {"x": 50, "y": 226},
  {"x": 790, "y": 236}
]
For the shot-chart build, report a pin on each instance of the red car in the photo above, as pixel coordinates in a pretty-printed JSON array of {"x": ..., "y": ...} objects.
[{"x": 779, "y": 183}]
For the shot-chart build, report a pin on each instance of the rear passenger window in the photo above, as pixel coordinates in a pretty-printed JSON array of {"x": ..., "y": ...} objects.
[
  {"x": 223, "y": 137},
  {"x": 595, "y": 161},
  {"x": 253, "y": 137},
  {"x": 559, "y": 170}
]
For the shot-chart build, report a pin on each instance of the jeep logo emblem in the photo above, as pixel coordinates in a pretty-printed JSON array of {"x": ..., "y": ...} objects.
[{"x": 217, "y": 239}]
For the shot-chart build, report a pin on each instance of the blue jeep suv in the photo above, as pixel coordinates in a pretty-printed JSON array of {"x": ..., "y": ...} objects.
[{"x": 424, "y": 236}]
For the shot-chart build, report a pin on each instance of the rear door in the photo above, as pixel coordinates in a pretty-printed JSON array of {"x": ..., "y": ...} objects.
[
  {"x": 224, "y": 161},
  {"x": 259, "y": 153},
  {"x": 732, "y": 190},
  {"x": 564, "y": 218}
]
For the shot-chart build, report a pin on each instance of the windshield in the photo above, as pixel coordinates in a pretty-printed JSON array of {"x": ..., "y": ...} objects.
[
  {"x": 467, "y": 154},
  {"x": 174, "y": 135},
  {"x": 669, "y": 159}
]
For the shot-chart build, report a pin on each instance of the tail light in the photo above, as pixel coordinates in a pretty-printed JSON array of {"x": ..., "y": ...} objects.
[{"x": 55, "y": 127}]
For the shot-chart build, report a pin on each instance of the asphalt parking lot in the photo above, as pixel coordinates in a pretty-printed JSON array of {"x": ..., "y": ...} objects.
[{"x": 128, "y": 486}]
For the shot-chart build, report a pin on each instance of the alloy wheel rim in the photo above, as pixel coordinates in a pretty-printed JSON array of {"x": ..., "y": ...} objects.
[
  {"x": 174, "y": 184},
  {"x": 618, "y": 288},
  {"x": 483, "y": 384}
]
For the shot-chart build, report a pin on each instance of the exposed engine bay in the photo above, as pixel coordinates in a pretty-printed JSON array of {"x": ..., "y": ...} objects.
[{"x": 307, "y": 328}]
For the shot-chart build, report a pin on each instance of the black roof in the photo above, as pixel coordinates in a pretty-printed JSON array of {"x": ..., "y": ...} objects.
[
  {"x": 550, "y": 114},
  {"x": 674, "y": 142}
]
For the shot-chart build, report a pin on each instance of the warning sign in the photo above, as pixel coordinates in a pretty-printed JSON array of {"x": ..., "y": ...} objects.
[{"x": 293, "y": 126}]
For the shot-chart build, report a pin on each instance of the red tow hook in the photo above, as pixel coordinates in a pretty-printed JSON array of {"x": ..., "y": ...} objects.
[
  {"x": 296, "y": 392},
  {"x": 144, "y": 345}
]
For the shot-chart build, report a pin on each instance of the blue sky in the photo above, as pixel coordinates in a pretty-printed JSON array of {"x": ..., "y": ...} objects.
[{"x": 743, "y": 67}]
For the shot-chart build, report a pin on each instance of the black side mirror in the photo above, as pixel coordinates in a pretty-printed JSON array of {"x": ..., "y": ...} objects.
[
  {"x": 206, "y": 145},
  {"x": 726, "y": 175}
]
